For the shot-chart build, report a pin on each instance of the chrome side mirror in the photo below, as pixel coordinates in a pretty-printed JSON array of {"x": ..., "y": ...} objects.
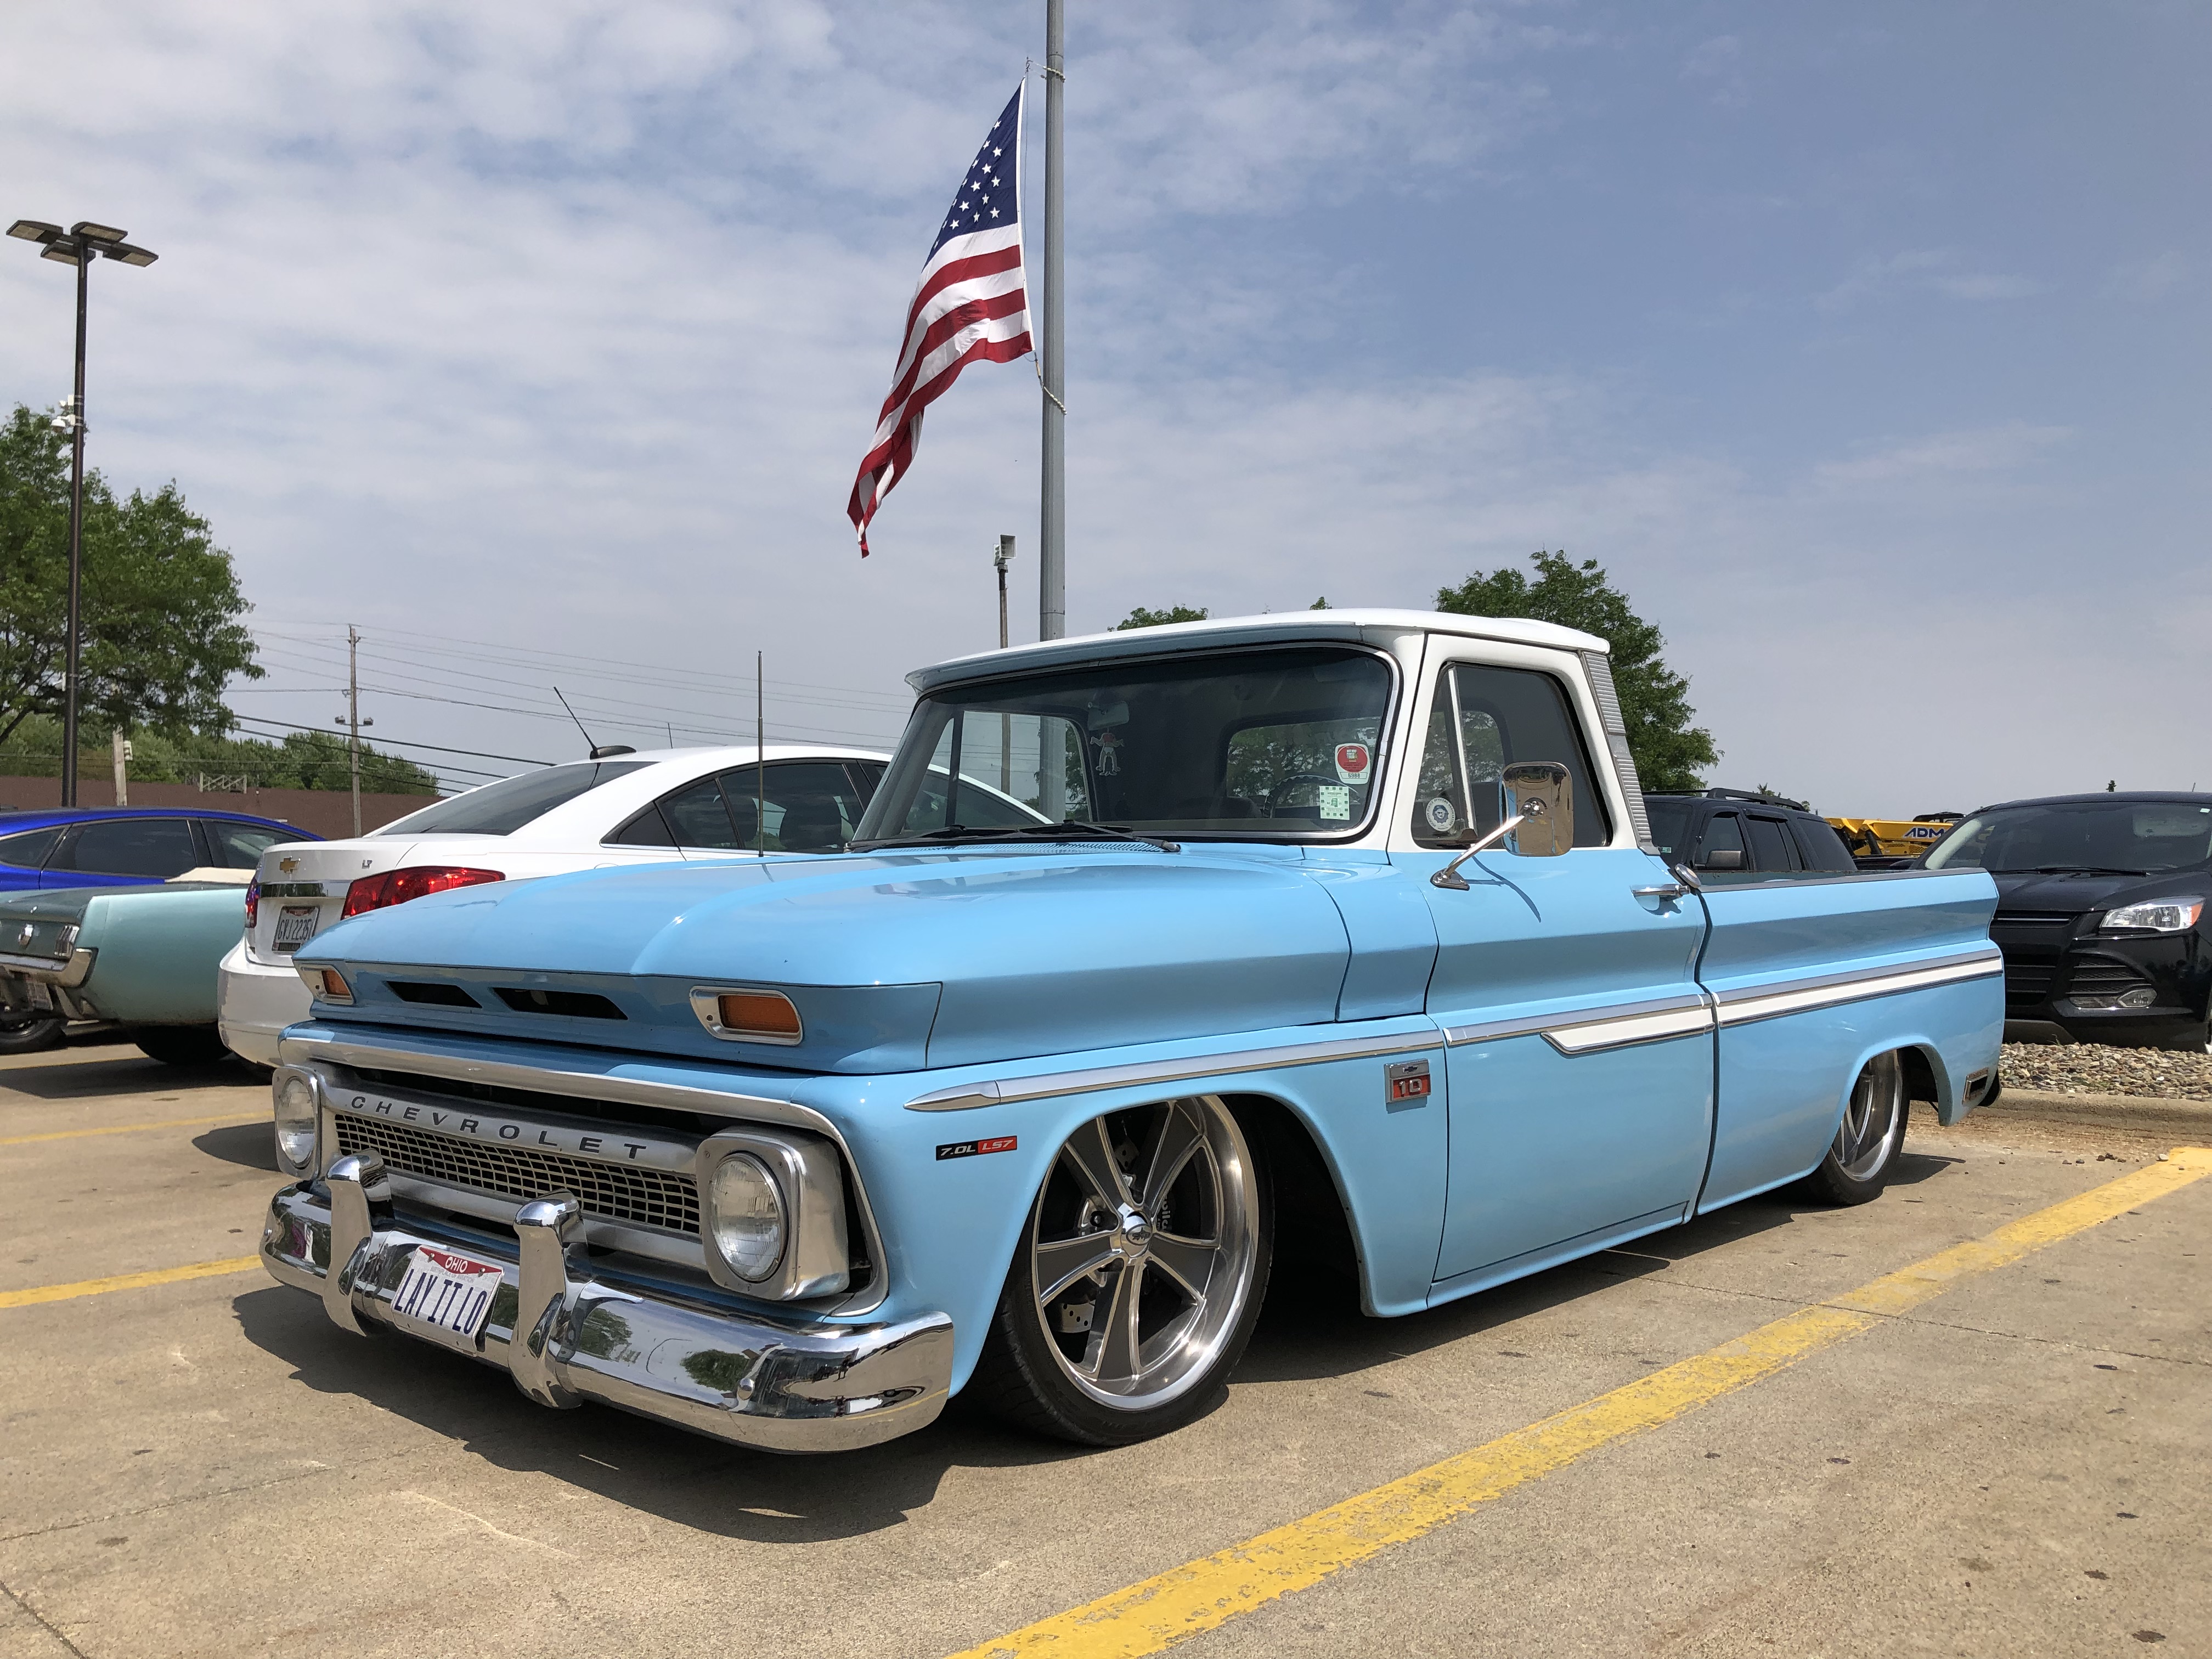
[
  {"x": 1539, "y": 808},
  {"x": 1541, "y": 795}
]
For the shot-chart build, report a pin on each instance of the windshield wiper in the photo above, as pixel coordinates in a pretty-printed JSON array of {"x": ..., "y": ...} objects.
[
  {"x": 2067, "y": 869},
  {"x": 1073, "y": 829}
]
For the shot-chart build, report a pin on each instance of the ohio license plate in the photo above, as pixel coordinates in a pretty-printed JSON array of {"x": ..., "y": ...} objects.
[
  {"x": 296, "y": 925},
  {"x": 446, "y": 1294}
]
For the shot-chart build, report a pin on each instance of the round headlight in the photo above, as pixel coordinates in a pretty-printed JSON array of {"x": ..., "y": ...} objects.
[
  {"x": 748, "y": 1212},
  {"x": 295, "y": 1120}
]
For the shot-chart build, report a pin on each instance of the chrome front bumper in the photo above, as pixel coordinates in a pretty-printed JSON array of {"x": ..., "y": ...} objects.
[{"x": 567, "y": 1337}]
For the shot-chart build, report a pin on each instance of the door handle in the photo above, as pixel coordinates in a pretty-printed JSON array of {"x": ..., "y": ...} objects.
[{"x": 1673, "y": 889}]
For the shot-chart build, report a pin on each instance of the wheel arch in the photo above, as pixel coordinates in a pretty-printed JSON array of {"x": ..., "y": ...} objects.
[{"x": 1314, "y": 1223}]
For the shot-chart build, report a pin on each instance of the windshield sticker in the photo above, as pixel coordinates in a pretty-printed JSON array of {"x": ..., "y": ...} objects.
[
  {"x": 1335, "y": 800},
  {"x": 1353, "y": 761},
  {"x": 1439, "y": 814},
  {"x": 1109, "y": 754}
]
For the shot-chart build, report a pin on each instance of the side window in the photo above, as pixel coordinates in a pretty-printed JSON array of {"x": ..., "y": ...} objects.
[
  {"x": 239, "y": 846},
  {"x": 810, "y": 806},
  {"x": 1723, "y": 847},
  {"x": 696, "y": 817},
  {"x": 27, "y": 849},
  {"x": 154, "y": 848},
  {"x": 1482, "y": 719},
  {"x": 1821, "y": 847},
  {"x": 1770, "y": 851}
]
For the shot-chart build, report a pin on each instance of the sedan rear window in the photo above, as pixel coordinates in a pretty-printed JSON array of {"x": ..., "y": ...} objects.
[{"x": 501, "y": 809}]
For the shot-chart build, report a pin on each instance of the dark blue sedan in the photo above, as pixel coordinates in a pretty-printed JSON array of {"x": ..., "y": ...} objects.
[{"x": 116, "y": 847}]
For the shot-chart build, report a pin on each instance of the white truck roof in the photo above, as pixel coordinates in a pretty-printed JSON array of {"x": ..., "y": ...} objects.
[{"x": 1376, "y": 626}]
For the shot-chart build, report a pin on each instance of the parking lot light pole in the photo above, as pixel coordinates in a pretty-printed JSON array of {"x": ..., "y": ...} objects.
[{"x": 79, "y": 245}]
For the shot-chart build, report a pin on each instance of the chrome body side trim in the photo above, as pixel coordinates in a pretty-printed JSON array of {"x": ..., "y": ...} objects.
[
  {"x": 434, "y": 1060},
  {"x": 995, "y": 1092},
  {"x": 1588, "y": 1020},
  {"x": 784, "y": 1385},
  {"x": 1625, "y": 1031},
  {"x": 1741, "y": 1007}
]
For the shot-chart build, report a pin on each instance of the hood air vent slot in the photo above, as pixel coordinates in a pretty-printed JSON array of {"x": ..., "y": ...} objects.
[
  {"x": 432, "y": 992},
  {"x": 576, "y": 1004}
]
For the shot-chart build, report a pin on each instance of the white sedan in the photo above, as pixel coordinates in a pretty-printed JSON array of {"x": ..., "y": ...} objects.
[{"x": 629, "y": 809}]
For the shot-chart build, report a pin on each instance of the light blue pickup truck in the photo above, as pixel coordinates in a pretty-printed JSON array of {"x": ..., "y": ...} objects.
[{"x": 1333, "y": 940}]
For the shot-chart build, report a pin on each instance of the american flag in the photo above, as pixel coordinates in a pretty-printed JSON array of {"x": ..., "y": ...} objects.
[{"x": 971, "y": 302}]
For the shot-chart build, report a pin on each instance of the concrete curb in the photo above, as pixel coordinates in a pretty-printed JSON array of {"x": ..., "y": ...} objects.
[{"x": 2112, "y": 1111}]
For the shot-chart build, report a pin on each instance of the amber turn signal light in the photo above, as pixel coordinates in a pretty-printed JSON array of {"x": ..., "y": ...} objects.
[
  {"x": 757, "y": 1016},
  {"x": 327, "y": 983}
]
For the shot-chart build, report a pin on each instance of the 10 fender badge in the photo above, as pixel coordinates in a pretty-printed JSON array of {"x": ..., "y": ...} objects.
[{"x": 975, "y": 1148}]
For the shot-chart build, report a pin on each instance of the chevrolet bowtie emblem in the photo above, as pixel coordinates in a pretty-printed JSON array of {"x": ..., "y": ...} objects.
[{"x": 288, "y": 865}]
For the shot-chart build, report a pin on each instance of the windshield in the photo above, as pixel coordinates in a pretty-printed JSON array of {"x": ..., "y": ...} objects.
[
  {"x": 1261, "y": 745},
  {"x": 2119, "y": 836},
  {"x": 502, "y": 808}
]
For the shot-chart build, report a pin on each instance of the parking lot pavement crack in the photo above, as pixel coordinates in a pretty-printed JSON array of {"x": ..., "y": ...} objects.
[
  {"x": 40, "y": 1619},
  {"x": 194, "y": 1498}
]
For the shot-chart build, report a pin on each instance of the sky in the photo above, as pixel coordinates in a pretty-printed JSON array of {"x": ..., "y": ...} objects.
[{"x": 1867, "y": 348}]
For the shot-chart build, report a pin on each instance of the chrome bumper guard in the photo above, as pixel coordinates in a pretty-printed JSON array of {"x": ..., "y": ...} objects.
[{"x": 567, "y": 1337}]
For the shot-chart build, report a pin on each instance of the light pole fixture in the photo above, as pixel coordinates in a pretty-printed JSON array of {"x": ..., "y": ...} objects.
[{"x": 79, "y": 245}]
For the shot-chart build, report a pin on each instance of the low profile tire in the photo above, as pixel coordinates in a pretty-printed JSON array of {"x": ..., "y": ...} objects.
[
  {"x": 1138, "y": 1276},
  {"x": 1858, "y": 1163},
  {"x": 181, "y": 1045},
  {"x": 28, "y": 1037}
]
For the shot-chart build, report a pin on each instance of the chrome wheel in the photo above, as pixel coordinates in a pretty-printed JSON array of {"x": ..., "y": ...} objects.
[
  {"x": 1142, "y": 1249},
  {"x": 1874, "y": 1119}
]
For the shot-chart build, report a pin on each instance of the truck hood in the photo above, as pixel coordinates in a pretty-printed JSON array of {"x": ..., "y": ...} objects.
[{"x": 897, "y": 961}]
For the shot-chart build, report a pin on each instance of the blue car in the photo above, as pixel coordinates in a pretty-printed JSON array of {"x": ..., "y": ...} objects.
[
  {"x": 1330, "y": 942},
  {"x": 120, "y": 846}
]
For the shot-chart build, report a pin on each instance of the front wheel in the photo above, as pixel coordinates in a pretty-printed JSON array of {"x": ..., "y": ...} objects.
[
  {"x": 1858, "y": 1163},
  {"x": 1138, "y": 1276}
]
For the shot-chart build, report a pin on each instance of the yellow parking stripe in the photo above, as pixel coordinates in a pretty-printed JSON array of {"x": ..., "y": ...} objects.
[
  {"x": 237, "y": 1264},
  {"x": 1198, "y": 1596},
  {"x": 132, "y": 1128}
]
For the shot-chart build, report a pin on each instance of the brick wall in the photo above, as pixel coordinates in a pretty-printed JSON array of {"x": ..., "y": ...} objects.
[{"x": 327, "y": 812}]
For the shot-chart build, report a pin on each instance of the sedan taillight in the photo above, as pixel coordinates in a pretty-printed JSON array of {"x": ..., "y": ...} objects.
[
  {"x": 397, "y": 886},
  {"x": 252, "y": 903}
]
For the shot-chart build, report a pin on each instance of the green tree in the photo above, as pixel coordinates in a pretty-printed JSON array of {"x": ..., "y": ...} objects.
[
  {"x": 161, "y": 608},
  {"x": 304, "y": 760},
  {"x": 1654, "y": 698},
  {"x": 1141, "y": 618}
]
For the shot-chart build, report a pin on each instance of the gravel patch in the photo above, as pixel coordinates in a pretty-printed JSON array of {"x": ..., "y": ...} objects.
[{"x": 2090, "y": 1068}]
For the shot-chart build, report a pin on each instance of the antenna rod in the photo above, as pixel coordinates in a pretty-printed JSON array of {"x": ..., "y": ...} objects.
[
  {"x": 589, "y": 742},
  {"x": 760, "y": 754}
]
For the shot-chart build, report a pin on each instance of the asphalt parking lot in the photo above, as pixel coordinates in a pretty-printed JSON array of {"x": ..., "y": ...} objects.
[{"x": 2007, "y": 1460}]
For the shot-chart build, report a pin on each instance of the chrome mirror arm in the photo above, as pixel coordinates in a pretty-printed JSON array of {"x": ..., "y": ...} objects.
[{"x": 1449, "y": 875}]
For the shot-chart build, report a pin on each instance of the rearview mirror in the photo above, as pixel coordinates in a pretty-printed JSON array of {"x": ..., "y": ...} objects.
[{"x": 1541, "y": 795}]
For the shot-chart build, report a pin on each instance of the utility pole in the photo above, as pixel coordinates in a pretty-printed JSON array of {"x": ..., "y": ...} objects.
[
  {"x": 1052, "y": 529},
  {"x": 351, "y": 719},
  {"x": 79, "y": 245},
  {"x": 122, "y": 747}
]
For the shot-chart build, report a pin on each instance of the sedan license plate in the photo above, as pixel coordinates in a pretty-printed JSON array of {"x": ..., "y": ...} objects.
[
  {"x": 446, "y": 1295},
  {"x": 296, "y": 925}
]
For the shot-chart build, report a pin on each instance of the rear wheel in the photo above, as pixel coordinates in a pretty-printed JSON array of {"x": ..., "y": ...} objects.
[
  {"x": 1138, "y": 1277},
  {"x": 1858, "y": 1163},
  {"x": 181, "y": 1045},
  {"x": 29, "y": 1035}
]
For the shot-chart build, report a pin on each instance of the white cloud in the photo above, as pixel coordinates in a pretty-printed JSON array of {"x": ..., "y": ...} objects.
[{"x": 1932, "y": 270}]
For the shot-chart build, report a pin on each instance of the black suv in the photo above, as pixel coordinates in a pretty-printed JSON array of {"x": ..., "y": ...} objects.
[
  {"x": 2101, "y": 914},
  {"x": 1726, "y": 831}
]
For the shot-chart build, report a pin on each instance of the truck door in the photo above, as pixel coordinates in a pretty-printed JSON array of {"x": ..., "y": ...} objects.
[{"x": 1579, "y": 1070}]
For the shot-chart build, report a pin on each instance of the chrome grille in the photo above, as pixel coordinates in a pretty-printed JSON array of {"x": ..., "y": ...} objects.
[{"x": 613, "y": 1192}]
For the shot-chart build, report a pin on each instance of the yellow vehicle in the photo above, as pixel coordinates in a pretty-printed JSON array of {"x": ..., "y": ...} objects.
[{"x": 1893, "y": 840}]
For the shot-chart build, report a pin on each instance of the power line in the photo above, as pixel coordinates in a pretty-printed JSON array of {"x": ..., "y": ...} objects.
[{"x": 398, "y": 743}]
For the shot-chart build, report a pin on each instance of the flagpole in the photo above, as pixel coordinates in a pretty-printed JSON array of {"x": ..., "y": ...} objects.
[{"x": 1052, "y": 503}]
